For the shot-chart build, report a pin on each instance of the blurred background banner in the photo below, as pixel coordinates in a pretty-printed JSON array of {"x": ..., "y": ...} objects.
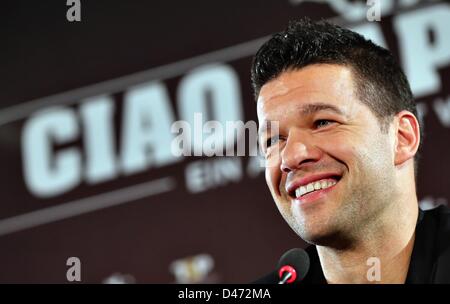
[{"x": 87, "y": 107}]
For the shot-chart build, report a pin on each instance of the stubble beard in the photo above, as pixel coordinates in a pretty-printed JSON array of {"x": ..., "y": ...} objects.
[{"x": 355, "y": 217}]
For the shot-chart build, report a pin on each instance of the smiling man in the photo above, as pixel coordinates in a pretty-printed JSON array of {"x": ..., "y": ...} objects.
[{"x": 341, "y": 165}]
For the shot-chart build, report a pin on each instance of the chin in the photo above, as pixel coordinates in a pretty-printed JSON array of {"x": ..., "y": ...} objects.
[
  {"x": 318, "y": 234},
  {"x": 313, "y": 236},
  {"x": 328, "y": 238},
  {"x": 317, "y": 239}
]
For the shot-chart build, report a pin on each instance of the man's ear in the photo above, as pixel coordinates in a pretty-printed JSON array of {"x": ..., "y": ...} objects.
[{"x": 407, "y": 137}]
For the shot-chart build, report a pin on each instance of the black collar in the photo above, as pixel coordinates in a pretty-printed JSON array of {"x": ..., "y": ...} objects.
[{"x": 421, "y": 264}]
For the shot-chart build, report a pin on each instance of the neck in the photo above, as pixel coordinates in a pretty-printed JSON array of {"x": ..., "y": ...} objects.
[{"x": 381, "y": 254}]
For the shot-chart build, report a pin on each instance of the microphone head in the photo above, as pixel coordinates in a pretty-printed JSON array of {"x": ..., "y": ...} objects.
[{"x": 296, "y": 259}]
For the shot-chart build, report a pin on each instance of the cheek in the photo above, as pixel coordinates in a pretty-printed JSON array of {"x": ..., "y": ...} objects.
[
  {"x": 273, "y": 179},
  {"x": 360, "y": 151},
  {"x": 382, "y": 154},
  {"x": 341, "y": 148}
]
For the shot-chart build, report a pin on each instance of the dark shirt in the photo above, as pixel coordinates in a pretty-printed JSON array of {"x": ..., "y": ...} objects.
[{"x": 430, "y": 258}]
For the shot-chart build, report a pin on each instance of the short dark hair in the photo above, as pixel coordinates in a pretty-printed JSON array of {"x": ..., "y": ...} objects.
[{"x": 380, "y": 81}]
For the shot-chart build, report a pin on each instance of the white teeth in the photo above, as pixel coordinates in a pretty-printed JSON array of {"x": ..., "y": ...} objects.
[
  {"x": 322, "y": 184},
  {"x": 300, "y": 191}
]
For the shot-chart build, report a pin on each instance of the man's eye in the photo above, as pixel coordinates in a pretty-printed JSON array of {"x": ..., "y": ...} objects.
[
  {"x": 272, "y": 140},
  {"x": 322, "y": 123}
]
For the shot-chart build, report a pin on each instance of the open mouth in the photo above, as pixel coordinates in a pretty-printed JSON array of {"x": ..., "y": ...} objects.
[{"x": 316, "y": 186}]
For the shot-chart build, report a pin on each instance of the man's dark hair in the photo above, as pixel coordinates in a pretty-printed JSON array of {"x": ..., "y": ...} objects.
[{"x": 380, "y": 81}]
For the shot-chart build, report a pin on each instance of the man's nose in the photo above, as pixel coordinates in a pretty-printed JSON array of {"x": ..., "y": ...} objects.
[{"x": 298, "y": 151}]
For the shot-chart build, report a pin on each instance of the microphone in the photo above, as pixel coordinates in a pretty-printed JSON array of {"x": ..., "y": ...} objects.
[{"x": 293, "y": 266}]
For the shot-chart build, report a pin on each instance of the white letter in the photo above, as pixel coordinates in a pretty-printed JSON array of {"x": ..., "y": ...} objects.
[
  {"x": 73, "y": 13},
  {"x": 213, "y": 144},
  {"x": 374, "y": 12},
  {"x": 74, "y": 272},
  {"x": 421, "y": 59},
  {"x": 98, "y": 129},
  {"x": 46, "y": 173},
  {"x": 212, "y": 87},
  {"x": 181, "y": 144},
  {"x": 235, "y": 130},
  {"x": 147, "y": 120},
  {"x": 197, "y": 177},
  {"x": 374, "y": 272},
  {"x": 198, "y": 134},
  {"x": 226, "y": 170}
]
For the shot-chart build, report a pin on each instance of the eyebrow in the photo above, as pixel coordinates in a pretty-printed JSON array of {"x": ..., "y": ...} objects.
[
  {"x": 305, "y": 110},
  {"x": 312, "y": 108}
]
